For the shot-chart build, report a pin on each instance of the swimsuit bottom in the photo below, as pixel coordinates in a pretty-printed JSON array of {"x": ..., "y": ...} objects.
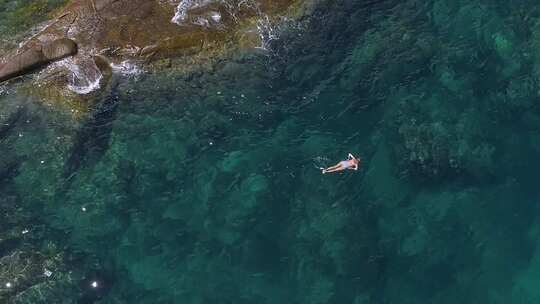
[{"x": 345, "y": 164}]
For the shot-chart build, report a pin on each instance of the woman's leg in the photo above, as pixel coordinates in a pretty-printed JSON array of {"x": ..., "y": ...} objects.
[{"x": 333, "y": 169}]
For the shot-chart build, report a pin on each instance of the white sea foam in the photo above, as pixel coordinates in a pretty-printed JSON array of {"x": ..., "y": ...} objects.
[
  {"x": 84, "y": 75},
  {"x": 267, "y": 32},
  {"x": 126, "y": 68},
  {"x": 83, "y": 83},
  {"x": 181, "y": 13},
  {"x": 215, "y": 16}
]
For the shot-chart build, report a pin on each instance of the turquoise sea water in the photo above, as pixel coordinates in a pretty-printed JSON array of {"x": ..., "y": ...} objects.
[{"x": 205, "y": 188}]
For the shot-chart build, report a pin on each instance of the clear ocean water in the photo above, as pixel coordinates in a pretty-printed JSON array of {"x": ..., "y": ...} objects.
[{"x": 206, "y": 189}]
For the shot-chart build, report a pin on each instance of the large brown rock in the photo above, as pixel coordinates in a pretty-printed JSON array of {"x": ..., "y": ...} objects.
[
  {"x": 36, "y": 57},
  {"x": 59, "y": 49}
]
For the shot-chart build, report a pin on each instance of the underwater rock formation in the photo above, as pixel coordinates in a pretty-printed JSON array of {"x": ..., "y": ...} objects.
[{"x": 34, "y": 277}]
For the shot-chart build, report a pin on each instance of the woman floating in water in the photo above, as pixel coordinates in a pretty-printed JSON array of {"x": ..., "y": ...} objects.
[{"x": 351, "y": 163}]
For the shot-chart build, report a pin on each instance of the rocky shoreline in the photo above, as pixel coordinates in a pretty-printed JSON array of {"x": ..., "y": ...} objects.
[{"x": 146, "y": 35}]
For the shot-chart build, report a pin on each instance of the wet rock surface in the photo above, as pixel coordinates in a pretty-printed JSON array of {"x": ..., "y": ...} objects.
[{"x": 140, "y": 33}]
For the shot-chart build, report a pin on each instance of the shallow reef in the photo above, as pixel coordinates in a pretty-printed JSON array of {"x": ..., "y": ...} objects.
[{"x": 201, "y": 184}]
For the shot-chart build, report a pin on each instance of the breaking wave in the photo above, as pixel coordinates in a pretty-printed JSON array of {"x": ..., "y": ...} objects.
[
  {"x": 181, "y": 13},
  {"x": 127, "y": 68},
  {"x": 84, "y": 76},
  {"x": 267, "y": 32}
]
